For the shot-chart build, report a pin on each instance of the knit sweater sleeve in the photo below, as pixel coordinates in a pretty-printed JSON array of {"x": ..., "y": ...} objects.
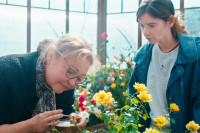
[
  {"x": 17, "y": 87},
  {"x": 10, "y": 77}
]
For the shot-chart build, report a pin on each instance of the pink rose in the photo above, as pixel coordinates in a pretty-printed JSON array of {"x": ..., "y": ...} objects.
[
  {"x": 104, "y": 35},
  {"x": 92, "y": 101}
]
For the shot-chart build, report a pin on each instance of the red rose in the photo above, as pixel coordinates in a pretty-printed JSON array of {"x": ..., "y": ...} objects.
[
  {"x": 80, "y": 105},
  {"x": 92, "y": 101},
  {"x": 83, "y": 108},
  {"x": 81, "y": 99}
]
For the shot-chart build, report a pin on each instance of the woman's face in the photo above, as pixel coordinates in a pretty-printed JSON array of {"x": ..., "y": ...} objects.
[
  {"x": 64, "y": 73},
  {"x": 155, "y": 30}
]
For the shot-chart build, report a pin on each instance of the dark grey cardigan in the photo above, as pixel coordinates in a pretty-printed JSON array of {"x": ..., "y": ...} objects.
[{"x": 18, "y": 89}]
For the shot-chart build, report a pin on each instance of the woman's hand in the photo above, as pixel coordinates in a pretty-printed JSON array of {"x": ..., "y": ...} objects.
[
  {"x": 81, "y": 121},
  {"x": 46, "y": 121}
]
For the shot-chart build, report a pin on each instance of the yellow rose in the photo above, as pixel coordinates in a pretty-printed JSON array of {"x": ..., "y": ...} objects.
[
  {"x": 113, "y": 86},
  {"x": 103, "y": 98},
  {"x": 192, "y": 126},
  {"x": 104, "y": 66},
  {"x": 122, "y": 84},
  {"x": 174, "y": 107},
  {"x": 144, "y": 96},
  {"x": 150, "y": 130},
  {"x": 160, "y": 121},
  {"x": 140, "y": 87},
  {"x": 54, "y": 130}
]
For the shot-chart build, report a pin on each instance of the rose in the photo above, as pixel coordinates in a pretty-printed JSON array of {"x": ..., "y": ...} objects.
[
  {"x": 103, "y": 98},
  {"x": 174, "y": 107},
  {"x": 81, "y": 99},
  {"x": 104, "y": 35},
  {"x": 160, "y": 121}
]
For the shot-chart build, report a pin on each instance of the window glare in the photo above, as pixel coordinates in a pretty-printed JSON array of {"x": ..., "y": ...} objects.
[
  {"x": 122, "y": 27},
  {"x": 58, "y": 4},
  {"x": 191, "y": 3},
  {"x": 40, "y": 3},
  {"x": 176, "y": 4},
  {"x": 46, "y": 25},
  {"x": 76, "y": 5},
  {"x": 130, "y": 5},
  {"x": 12, "y": 30},
  {"x": 18, "y": 2},
  {"x": 91, "y": 6},
  {"x": 80, "y": 23},
  {"x": 113, "y": 6},
  {"x": 122, "y": 34},
  {"x": 3, "y": 1}
]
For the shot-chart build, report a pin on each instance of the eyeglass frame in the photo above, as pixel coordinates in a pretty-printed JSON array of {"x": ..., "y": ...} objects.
[{"x": 78, "y": 79}]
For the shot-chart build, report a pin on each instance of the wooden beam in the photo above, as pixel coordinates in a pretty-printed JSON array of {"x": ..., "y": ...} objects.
[
  {"x": 67, "y": 17},
  {"x": 28, "y": 26},
  {"x": 101, "y": 42},
  {"x": 182, "y": 10},
  {"x": 139, "y": 31}
]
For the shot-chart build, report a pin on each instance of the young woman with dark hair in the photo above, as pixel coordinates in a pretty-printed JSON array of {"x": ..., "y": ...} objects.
[{"x": 169, "y": 64}]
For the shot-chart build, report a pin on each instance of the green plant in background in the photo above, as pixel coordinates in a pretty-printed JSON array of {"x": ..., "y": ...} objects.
[{"x": 112, "y": 78}]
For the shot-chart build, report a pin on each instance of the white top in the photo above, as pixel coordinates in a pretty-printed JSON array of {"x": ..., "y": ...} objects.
[{"x": 157, "y": 79}]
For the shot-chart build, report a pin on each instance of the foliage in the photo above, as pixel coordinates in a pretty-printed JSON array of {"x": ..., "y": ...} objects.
[
  {"x": 112, "y": 78},
  {"x": 126, "y": 119}
]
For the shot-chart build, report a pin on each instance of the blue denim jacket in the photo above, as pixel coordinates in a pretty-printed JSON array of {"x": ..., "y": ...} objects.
[{"x": 184, "y": 83}]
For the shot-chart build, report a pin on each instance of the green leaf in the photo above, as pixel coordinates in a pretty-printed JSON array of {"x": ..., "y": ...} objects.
[
  {"x": 122, "y": 118},
  {"x": 172, "y": 121},
  {"x": 145, "y": 115},
  {"x": 134, "y": 100},
  {"x": 126, "y": 107},
  {"x": 125, "y": 94},
  {"x": 86, "y": 131},
  {"x": 107, "y": 120},
  {"x": 119, "y": 127}
]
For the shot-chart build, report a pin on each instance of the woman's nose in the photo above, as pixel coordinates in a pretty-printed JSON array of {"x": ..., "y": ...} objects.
[
  {"x": 145, "y": 31},
  {"x": 73, "y": 82}
]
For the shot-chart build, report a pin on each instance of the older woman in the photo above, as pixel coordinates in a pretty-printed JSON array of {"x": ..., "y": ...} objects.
[{"x": 42, "y": 81}]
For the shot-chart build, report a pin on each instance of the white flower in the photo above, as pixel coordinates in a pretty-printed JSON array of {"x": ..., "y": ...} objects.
[
  {"x": 84, "y": 114},
  {"x": 106, "y": 88},
  {"x": 97, "y": 112}
]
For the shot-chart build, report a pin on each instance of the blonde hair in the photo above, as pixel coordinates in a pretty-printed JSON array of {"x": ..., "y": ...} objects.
[
  {"x": 71, "y": 45},
  {"x": 44, "y": 43}
]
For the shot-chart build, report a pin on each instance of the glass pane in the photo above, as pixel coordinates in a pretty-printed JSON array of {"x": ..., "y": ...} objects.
[
  {"x": 113, "y": 6},
  {"x": 40, "y": 3},
  {"x": 122, "y": 33},
  {"x": 12, "y": 30},
  {"x": 91, "y": 6},
  {"x": 144, "y": 40},
  {"x": 192, "y": 19},
  {"x": 18, "y": 2},
  {"x": 76, "y": 5},
  {"x": 191, "y": 3},
  {"x": 3, "y": 1},
  {"x": 46, "y": 24},
  {"x": 58, "y": 4},
  {"x": 86, "y": 25},
  {"x": 130, "y": 5},
  {"x": 176, "y": 4}
]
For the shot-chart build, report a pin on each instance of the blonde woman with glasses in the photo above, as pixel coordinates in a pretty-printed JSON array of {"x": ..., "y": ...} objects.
[{"x": 43, "y": 81}]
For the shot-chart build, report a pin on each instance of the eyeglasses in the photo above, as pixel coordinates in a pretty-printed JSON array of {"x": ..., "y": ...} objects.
[{"x": 70, "y": 73}]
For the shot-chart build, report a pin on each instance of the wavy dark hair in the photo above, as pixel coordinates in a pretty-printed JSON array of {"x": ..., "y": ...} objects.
[{"x": 161, "y": 9}]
